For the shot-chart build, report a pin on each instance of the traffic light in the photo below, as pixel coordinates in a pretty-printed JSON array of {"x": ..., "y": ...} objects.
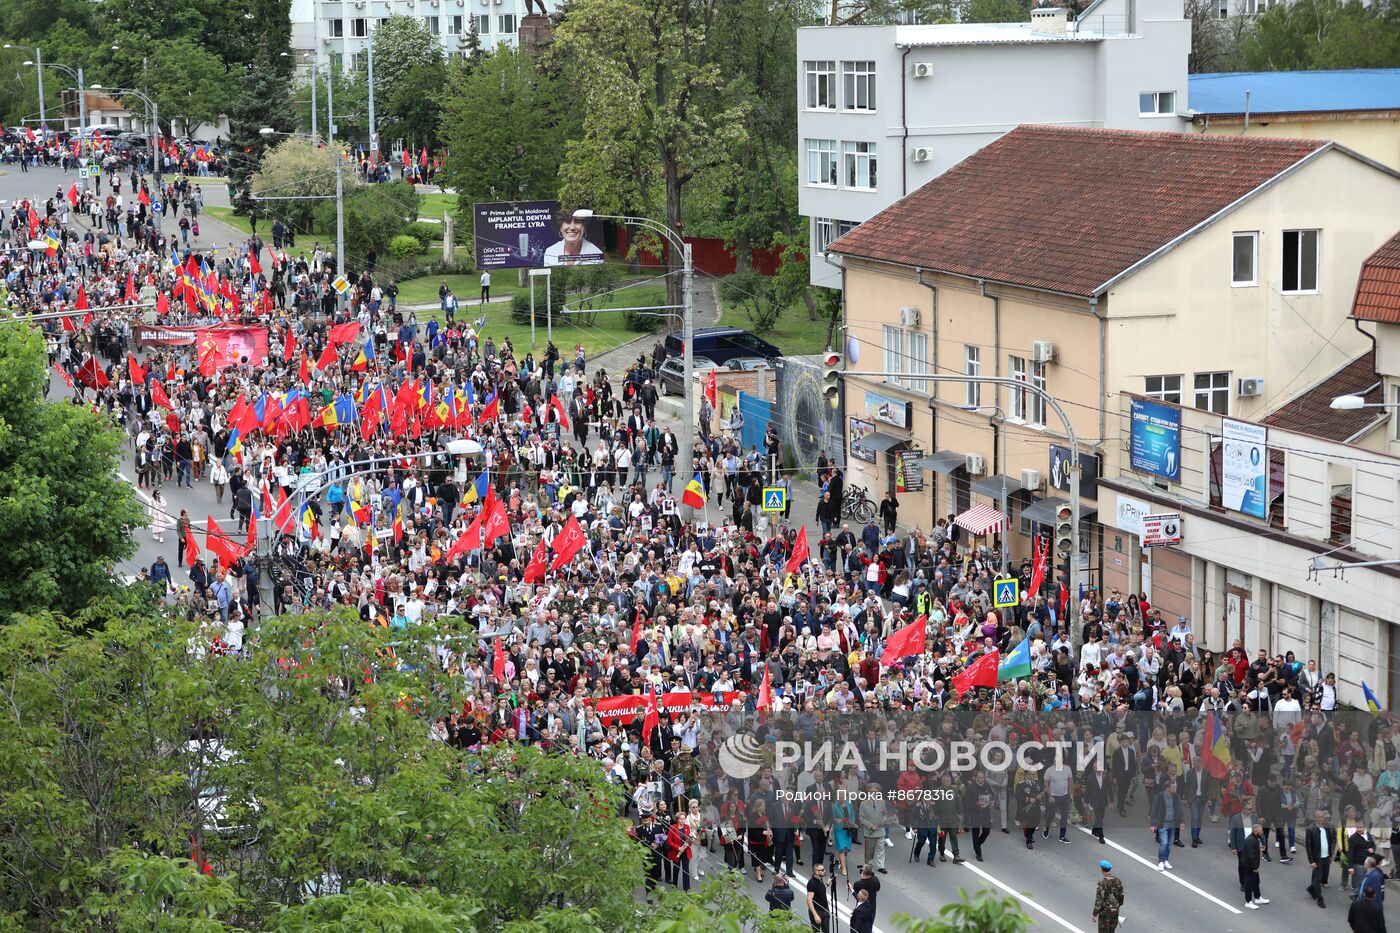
[
  {"x": 831, "y": 376},
  {"x": 1064, "y": 531}
]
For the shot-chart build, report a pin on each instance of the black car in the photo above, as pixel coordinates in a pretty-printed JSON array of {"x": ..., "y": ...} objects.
[{"x": 719, "y": 345}]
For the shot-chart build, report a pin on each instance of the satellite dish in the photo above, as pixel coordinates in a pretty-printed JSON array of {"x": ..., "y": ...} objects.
[{"x": 852, "y": 350}]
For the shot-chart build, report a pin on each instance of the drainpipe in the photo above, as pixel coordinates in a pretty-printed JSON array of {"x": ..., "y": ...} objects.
[
  {"x": 996, "y": 362},
  {"x": 1103, "y": 368},
  {"x": 904, "y": 123},
  {"x": 933, "y": 398},
  {"x": 1246, "y": 113}
]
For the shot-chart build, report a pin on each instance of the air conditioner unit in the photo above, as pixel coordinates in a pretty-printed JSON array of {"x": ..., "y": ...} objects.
[
  {"x": 922, "y": 154},
  {"x": 909, "y": 317},
  {"x": 1248, "y": 388},
  {"x": 923, "y": 70},
  {"x": 1043, "y": 351},
  {"x": 976, "y": 465},
  {"x": 1030, "y": 480}
]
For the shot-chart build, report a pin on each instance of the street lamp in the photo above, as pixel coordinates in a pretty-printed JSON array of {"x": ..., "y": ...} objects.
[
  {"x": 339, "y": 203},
  {"x": 38, "y": 57},
  {"x": 1357, "y": 402},
  {"x": 687, "y": 470},
  {"x": 39, "y": 66},
  {"x": 152, "y": 128}
]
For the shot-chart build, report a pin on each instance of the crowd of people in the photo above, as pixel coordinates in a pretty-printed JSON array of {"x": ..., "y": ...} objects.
[{"x": 567, "y": 548}]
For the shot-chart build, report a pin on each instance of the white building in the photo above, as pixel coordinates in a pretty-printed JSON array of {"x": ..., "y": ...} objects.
[
  {"x": 340, "y": 29},
  {"x": 920, "y": 99}
]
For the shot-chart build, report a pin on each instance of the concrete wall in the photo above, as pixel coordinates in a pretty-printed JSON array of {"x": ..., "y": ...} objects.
[{"x": 1376, "y": 135}]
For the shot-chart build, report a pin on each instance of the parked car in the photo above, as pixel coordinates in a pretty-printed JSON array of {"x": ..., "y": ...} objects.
[
  {"x": 671, "y": 376},
  {"x": 749, "y": 363},
  {"x": 719, "y": 345}
]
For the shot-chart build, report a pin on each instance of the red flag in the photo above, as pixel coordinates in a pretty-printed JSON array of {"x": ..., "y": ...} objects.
[
  {"x": 63, "y": 374},
  {"x": 496, "y": 525},
  {"x": 653, "y": 717},
  {"x": 208, "y": 360},
  {"x": 254, "y": 266},
  {"x": 221, "y": 544},
  {"x": 138, "y": 375},
  {"x": 69, "y": 324},
  {"x": 73, "y": 194},
  {"x": 1064, "y": 599},
  {"x": 251, "y": 544},
  {"x": 491, "y": 410},
  {"x": 282, "y": 515},
  {"x": 162, "y": 304},
  {"x": 556, "y": 406},
  {"x": 82, "y": 303},
  {"x": 712, "y": 389},
  {"x": 304, "y": 372},
  {"x": 131, "y": 295},
  {"x": 1042, "y": 558},
  {"x": 91, "y": 375},
  {"x": 191, "y": 546},
  {"x": 498, "y": 664},
  {"x": 765, "y": 690},
  {"x": 290, "y": 350},
  {"x": 344, "y": 333},
  {"x": 636, "y": 630},
  {"x": 568, "y": 543},
  {"x": 800, "y": 552},
  {"x": 980, "y": 673},
  {"x": 534, "y": 570},
  {"x": 144, "y": 197},
  {"x": 159, "y": 397},
  {"x": 423, "y": 158},
  {"x": 328, "y": 358},
  {"x": 908, "y": 640}
]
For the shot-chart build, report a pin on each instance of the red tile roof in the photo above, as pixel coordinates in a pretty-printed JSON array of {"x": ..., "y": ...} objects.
[
  {"x": 1378, "y": 286},
  {"x": 1067, "y": 209},
  {"x": 1312, "y": 412}
]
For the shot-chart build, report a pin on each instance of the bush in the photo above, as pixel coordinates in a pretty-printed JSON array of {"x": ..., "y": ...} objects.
[
  {"x": 759, "y": 297},
  {"x": 520, "y": 308},
  {"x": 403, "y": 247},
  {"x": 647, "y": 322},
  {"x": 424, "y": 233}
]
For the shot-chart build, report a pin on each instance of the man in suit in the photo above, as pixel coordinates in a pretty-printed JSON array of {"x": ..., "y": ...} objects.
[
  {"x": 1365, "y": 915},
  {"x": 1196, "y": 790},
  {"x": 1125, "y": 769},
  {"x": 1096, "y": 798},
  {"x": 1250, "y": 859},
  {"x": 863, "y": 916},
  {"x": 1319, "y": 844},
  {"x": 1360, "y": 846}
]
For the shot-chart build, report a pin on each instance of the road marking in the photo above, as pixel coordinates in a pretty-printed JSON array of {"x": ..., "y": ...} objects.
[
  {"x": 1022, "y": 898},
  {"x": 134, "y": 488},
  {"x": 1169, "y": 875}
]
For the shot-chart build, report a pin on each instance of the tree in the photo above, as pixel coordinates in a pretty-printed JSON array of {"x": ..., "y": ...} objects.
[
  {"x": 504, "y": 128},
  {"x": 263, "y": 101},
  {"x": 1324, "y": 34},
  {"x": 984, "y": 912},
  {"x": 189, "y": 83},
  {"x": 654, "y": 108},
  {"x": 414, "y": 109},
  {"x": 401, "y": 43},
  {"x": 996, "y": 11},
  {"x": 67, "y": 516},
  {"x": 374, "y": 215},
  {"x": 295, "y": 168}
]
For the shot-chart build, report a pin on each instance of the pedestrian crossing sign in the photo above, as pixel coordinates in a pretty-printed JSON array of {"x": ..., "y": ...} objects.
[
  {"x": 1007, "y": 593},
  {"x": 340, "y": 285},
  {"x": 774, "y": 498}
]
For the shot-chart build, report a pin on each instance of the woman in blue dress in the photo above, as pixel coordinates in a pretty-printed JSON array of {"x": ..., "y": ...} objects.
[{"x": 843, "y": 822}]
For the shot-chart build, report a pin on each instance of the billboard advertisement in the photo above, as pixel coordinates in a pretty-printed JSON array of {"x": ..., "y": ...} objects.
[
  {"x": 1244, "y": 468},
  {"x": 860, "y": 428},
  {"x": 533, "y": 234},
  {"x": 1156, "y": 439},
  {"x": 893, "y": 411}
]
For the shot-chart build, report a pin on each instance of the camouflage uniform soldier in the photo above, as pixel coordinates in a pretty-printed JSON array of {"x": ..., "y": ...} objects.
[{"x": 1108, "y": 899}]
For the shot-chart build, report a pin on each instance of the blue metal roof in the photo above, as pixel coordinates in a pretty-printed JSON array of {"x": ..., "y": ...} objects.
[{"x": 1296, "y": 91}]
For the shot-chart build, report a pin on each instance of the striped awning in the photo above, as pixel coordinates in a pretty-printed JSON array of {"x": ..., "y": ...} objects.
[{"x": 980, "y": 520}]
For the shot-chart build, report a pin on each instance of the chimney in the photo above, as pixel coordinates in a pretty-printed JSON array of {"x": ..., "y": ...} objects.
[{"x": 1049, "y": 20}]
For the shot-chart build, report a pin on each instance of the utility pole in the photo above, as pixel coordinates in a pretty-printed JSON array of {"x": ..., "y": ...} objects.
[
  {"x": 82, "y": 125},
  {"x": 39, "y": 70},
  {"x": 314, "y": 56},
  {"x": 373, "y": 131}
]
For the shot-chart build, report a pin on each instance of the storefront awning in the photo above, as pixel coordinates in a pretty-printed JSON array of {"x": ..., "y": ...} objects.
[
  {"x": 880, "y": 442},
  {"x": 945, "y": 461},
  {"x": 980, "y": 520},
  {"x": 1043, "y": 512},
  {"x": 996, "y": 486}
]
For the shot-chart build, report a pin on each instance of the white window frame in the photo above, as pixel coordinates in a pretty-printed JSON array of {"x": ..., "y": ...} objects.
[
  {"x": 859, "y": 164},
  {"x": 455, "y": 23},
  {"x": 857, "y": 82},
  {"x": 359, "y": 27},
  {"x": 483, "y": 24},
  {"x": 894, "y": 352},
  {"x": 433, "y": 25},
  {"x": 972, "y": 366},
  {"x": 1252, "y": 237},
  {"x": 1162, "y": 391},
  {"x": 918, "y": 360},
  {"x": 821, "y": 76},
  {"x": 1016, "y": 365},
  {"x": 508, "y": 24},
  {"x": 1218, "y": 389},
  {"x": 1036, "y": 400},
  {"x": 336, "y": 28},
  {"x": 1163, "y": 103},
  {"x": 822, "y": 163},
  {"x": 1298, "y": 248}
]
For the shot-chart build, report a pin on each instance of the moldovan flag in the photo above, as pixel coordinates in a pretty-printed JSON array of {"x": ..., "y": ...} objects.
[
  {"x": 568, "y": 543},
  {"x": 191, "y": 547},
  {"x": 908, "y": 640},
  {"x": 980, "y": 673},
  {"x": 800, "y": 553},
  {"x": 1215, "y": 749},
  {"x": 138, "y": 375},
  {"x": 694, "y": 494},
  {"x": 534, "y": 570}
]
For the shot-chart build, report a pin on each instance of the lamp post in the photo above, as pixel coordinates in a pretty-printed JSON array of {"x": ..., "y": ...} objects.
[
  {"x": 339, "y": 202},
  {"x": 687, "y": 470},
  {"x": 39, "y": 69},
  {"x": 77, "y": 74},
  {"x": 1357, "y": 402}
]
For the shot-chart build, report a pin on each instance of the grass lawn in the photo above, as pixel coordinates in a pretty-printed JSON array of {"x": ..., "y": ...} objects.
[
  {"x": 424, "y": 290},
  {"x": 226, "y": 215},
  {"x": 794, "y": 334},
  {"x": 434, "y": 205}
]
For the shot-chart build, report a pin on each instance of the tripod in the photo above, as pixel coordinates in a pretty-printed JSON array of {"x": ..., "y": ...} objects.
[{"x": 832, "y": 865}]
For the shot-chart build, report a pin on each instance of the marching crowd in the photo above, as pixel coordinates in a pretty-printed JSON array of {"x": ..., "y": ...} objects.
[{"x": 566, "y": 547}]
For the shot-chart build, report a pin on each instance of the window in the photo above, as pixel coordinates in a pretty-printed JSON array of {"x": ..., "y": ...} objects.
[
  {"x": 821, "y": 85},
  {"x": 859, "y": 81},
  {"x": 1018, "y": 395},
  {"x": 860, "y": 165},
  {"x": 358, "y": 28},
  {"x": 454, "y": 25},
  {"x": 1037, "y": 401},
  {"x": 1164, "y": 388},
  {"x": 828, "y": 230},
  {"x": 973, "y": 367},
  {"x": 821, "y": 162},
  {"x": 434, "y": 25},
  {"x": 1244, "y": 259},
  {"x": 1156, "y": 104},
  {"x": 1300, "y": 260},
  {"x": 918, "y": 360},
  {"x": 894, "y": 351},
  {"x": 507, "y": 23},
  {"x": 1223, "y": 10},
  {"x": 337, "y": 28},
  {"x": 1213, "y": 392},
  {"x": 483, "y": 25}
]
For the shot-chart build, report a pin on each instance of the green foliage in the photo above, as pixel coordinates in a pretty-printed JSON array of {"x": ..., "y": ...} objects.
[
  {"x": 374, "y": 215},
  {"x": 66, "y": 516},
  {"x": 1323, "y": 34},
  {"x": 404, "y": 247},
  {"x": 294, "y": 168},
  {"x": 759, "y": 297},
  {"x": 264, "y": 100},
  {"x": 189, "y": 83},
  {"x": 504, "y": 122},
  {"x": 985, "y": 912},
  {"x": 424, "y": 233},
  {"x": 402, "y": 43},
  {"x": 996, "y": 11}
]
